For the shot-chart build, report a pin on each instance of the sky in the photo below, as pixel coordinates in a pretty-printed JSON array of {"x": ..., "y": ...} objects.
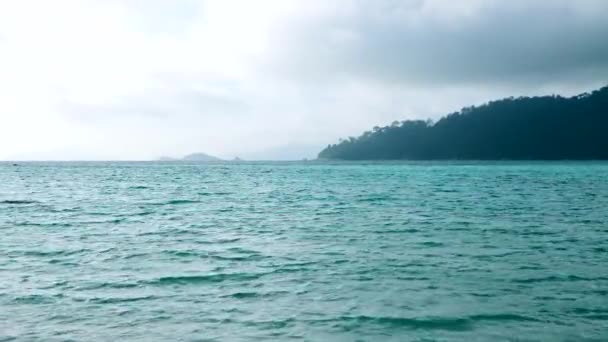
[{"x": 272, "y": 79}]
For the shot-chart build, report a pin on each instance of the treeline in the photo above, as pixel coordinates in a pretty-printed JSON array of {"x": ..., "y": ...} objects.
[{"x": 526, "y": 128}]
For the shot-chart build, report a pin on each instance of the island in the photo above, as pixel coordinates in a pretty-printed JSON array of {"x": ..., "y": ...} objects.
[
  {"x": 198, "y": 157},
  {"x": 201, "y": 157},
  {"x": 523, "y": 128}
]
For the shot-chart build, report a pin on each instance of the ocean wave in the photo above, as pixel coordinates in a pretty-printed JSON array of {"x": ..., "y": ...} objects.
[
  {"x": 42, "y": 224},
  {"x": 55, "y": 253},
  {"x": 235, "y": 257},
  {"x": 36, "y": 299},
  {"x": 186, "y": 253},
  {"x": 201, "y": 279},
  {"x": 272, "y": 324},
  {"x": 251, "y": 295},
  {"x": 220, "y": 193},
  {"x": 138, "y": 187},
  {"x": 181, "y": 201},
  {"x": 18, "y": 202},
  {"x": 135, "y": 214},
  {"x": 452, "y": 324},
  {"x": 397, "y": 231},
  {"x": 431, "y": 244},
  {"x": 569, "y": 278},
  {"x": 431, "y": 323},
  {"x": 503, "y": 317},
  {"x": 116, "y": 300},
  {"x": 218, "y": 241},
  {"x": 375, "y": 199},
  {"x": 107, "y": 285},
  {"x": 312, "y": 265},
  {"x": 592, "y": 313}
]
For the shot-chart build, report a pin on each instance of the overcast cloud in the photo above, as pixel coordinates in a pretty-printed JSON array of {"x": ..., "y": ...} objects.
[{"x": 135, "y": 79}]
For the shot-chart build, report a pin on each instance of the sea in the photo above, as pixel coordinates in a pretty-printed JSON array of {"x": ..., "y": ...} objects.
[{"x": 310, "y": 251}]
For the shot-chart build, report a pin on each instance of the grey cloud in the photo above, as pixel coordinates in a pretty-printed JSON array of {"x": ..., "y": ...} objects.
[{"x": 502, "y": 42}]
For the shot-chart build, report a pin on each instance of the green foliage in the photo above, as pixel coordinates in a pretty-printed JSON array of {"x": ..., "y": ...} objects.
[{"x": 547, "y": 128}]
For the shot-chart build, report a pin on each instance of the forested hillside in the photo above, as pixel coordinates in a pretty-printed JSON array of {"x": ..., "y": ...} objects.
[{"x": 544, "y": 128}]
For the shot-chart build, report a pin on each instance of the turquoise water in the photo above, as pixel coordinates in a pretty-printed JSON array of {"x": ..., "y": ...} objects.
[{"x": 311, "y": 251}]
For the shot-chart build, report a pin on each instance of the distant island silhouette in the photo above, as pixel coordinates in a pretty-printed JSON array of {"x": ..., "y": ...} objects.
[
  {"x": 524, "y": 128},
  {"x": 201, "y": 157}
]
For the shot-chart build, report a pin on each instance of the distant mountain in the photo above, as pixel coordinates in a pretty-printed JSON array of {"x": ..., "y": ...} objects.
[
  {"x": 200, "y": 157},
  {"x": 544, "y": 128}
]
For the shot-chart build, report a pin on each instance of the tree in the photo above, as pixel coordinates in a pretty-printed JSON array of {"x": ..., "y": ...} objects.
[{"x": 548, "y": 127}]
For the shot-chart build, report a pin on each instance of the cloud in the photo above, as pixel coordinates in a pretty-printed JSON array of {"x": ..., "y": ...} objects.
[
  {"x": 134, "y": 79},
  {"x": 424, "y": 43}
]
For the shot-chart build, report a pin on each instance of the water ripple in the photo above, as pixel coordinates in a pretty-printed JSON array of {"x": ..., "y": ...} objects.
[
  {"x": 201, "y": 279},
  {"x": 312, "y": 251}
]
